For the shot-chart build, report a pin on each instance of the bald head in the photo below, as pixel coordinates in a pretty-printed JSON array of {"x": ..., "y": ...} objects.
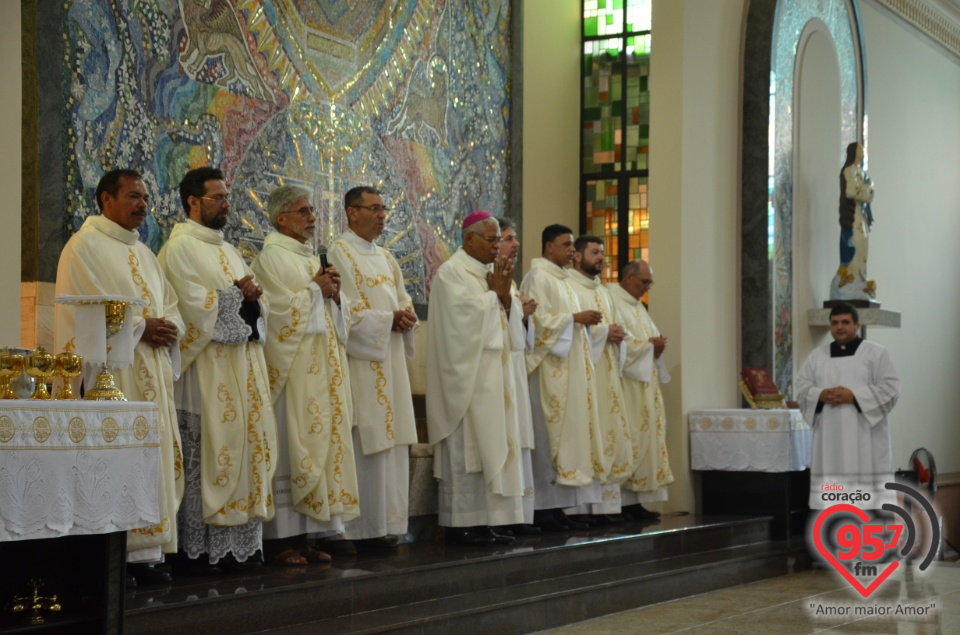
[{"x": 636, "y": 278}]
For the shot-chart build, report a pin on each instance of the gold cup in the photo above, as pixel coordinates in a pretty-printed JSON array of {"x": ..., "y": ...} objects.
[
  {"x": 113, "y": 312},
  {"x": 41, "y": 366},
  {"x": 68, "y": 366},
  {"x": 11, "y": 365}
]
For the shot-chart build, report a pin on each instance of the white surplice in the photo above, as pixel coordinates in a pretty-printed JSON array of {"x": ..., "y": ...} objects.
[
  {"x": 568, "y": 456},
  {"x": 851, "y": 447},
  {"x": 643, "y": 400},
  {"x": 315, "y": 485},
  {"x": 471, "y": 418},
  {"x": 373, "y": 283},
  {"x": 103, "y": 258}
]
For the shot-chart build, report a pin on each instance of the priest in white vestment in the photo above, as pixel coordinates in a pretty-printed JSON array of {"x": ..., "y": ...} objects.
[
  {"x": 846, "y": 389},
  {"x": 474, "y": 434},
  {"x": 381, "y": 322},
  {"x": 227, "y": 425},
  {"x": 106, "y": 257},
  {"x": 521, "y": 342},
  {"x": 568, "y": 459},
  {"x": 606, "y": 352},
  {"x": 643, "y": 372},
  {"x": 315, "y": 485}
]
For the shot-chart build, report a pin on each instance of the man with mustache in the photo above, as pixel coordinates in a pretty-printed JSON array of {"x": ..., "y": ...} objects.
[
  {"x": 223, "y": 398},
  {"x": 106, "y": 257},
  {"x": 568, "y": 459},
  {"x": 315, "y": 486}
]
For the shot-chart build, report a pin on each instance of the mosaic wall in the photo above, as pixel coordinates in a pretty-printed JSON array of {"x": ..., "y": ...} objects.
[
  {"x": 842, "y": 18},
  {"x": 411, "y": 96}
]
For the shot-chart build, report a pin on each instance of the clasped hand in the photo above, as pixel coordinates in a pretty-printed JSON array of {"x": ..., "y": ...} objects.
[
  {"x": 329, "y": 282},
  {"x": 158, "y": 332},
  {"x": 251, "y": 290},
  {"x": 404, "y": 320},
  {"x": 836, "y": 396}
]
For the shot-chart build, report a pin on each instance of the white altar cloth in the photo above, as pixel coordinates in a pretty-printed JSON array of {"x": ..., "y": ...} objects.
[
  {"x": 77, "y": 467},
  {"x": 749, "y": 440}
]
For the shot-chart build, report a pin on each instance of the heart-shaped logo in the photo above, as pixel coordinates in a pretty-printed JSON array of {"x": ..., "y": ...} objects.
[{"x": 832, "y": 559}]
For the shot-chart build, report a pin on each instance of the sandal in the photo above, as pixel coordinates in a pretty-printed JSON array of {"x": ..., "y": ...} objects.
[
  {"x": 315, "y": 555},
  {"x": 289, "y": 558}
]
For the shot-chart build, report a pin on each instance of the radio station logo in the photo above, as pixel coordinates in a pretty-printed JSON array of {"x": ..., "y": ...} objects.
[{"x": 866, "y": 553}]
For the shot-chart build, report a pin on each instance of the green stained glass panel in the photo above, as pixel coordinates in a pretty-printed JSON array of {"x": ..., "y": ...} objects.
[{"x": 603, "y": 106}]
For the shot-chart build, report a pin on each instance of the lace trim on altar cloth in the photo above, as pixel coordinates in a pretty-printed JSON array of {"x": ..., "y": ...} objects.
[{"x": 49, "y": 496}]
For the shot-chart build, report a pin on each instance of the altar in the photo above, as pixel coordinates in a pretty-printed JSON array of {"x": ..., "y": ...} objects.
[
  {"x": 753, "y": 462},
  {"x": 74, "y": 477}
]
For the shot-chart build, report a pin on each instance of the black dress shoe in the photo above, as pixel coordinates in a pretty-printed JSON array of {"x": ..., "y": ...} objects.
[
  {"x": 469, "y": 536},
  {"x": 609, "y": 519},
  {"x": 639, "y": 512},
  {"x": 546, "y": 520},
  {"x": 570, "y": 522},
  {"x": 499, "y": 537},
  {"x": 584, "y": 519},
  {"x": 525, "y": 530},
  {"x": 145, "y": 574},
  {"x": 503, "y": 530},
  {"x": 131, "y": 582}
]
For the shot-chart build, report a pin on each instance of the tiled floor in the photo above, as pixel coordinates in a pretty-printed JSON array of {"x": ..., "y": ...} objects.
[{"x": 788, "y": 606}]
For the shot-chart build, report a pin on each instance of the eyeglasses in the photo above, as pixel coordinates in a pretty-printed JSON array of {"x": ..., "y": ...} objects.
[
  {"x": 219, "y": 199},
  {"x": 305, "y": 212},
  {"x": 376, "y": 209},
  {"x": 646, "y": 282},
  {"x": 490, "y": 239}
]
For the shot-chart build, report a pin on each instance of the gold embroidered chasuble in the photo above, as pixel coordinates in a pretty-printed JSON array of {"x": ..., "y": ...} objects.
[
  {"x": 469, "y": 374},
  {"x": 567, "y": 386},
  {"x": 307, "y": 363},
  {"x": 103, "y": 258},
  {"x": 383, "y": 404},
  {"x": 618, "y": 452},
  {"x": 239, "y": 431},
  {"x": 642, "y": 396}
]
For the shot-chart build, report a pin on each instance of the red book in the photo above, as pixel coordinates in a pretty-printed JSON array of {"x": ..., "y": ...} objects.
[{"x": 759, "y": 381}]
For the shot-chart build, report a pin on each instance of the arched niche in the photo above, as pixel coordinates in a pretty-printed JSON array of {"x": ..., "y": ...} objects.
[{"x": 775, "y": 30}]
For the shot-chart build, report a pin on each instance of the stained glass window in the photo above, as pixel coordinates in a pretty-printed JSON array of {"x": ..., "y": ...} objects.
[
  {"x": 602, "y": 212},
  {"x": 616, "y": 128}
]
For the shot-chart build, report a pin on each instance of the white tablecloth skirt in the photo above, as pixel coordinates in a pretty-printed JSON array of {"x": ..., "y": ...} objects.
[
  {"x": 77, "y": 467},
  {"x": 749, "y": 440}
]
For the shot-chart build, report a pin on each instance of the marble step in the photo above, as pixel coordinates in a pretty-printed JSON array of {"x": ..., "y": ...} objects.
[
  {"x": 424, "y": 573},
  {"x": 533, "y": 606}
]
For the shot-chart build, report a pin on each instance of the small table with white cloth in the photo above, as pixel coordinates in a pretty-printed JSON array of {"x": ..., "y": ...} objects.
[
  {"x": 74, "y": 477},
  {"x": 753, "y": 462}
]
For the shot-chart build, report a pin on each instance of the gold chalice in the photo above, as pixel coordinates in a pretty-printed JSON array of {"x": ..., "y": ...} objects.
[
  {"x": 11, "y": 365},
  {"x": 113, "y": 313},
  {"x": 68, "y": 366},
  {"x": 41, "y": 366}
]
